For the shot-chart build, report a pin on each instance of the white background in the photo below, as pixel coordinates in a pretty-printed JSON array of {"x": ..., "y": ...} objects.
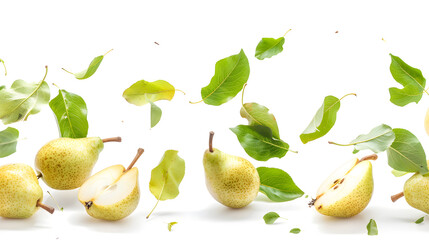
[{"x": 192, "y": 36}]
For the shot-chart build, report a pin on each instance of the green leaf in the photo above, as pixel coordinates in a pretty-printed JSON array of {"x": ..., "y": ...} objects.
[
  {"x": 372, "y": 228},
  {"x": 295, "y": 230},
  {"x": 166, "y": 177},
  {"x": 412, "y": 80},
  {"x": 171, "y": 224},
  {"x": 397, "y": 173},
  {"x": 92, "y": 68},
  {"x": 323, "y": 121},
  {"x": 377, "y": 140},
  {"x": 271, "y": 217},
  {"x": 231, "y": 74},
  {"x": 22, "y": 100},
  {"x": 406, "y": 153},
  {"x": 258, "y": 142},
  {"x": 143, "y": 92},
  {"x": 155, "y": 114},
  {"x": 277, "y": 185},
  {"x": 420, "y": 220},
  {"x": 4, "y": 66},
  {"x": 8, "y": 141},
  {"x": 269, "y": 47},
  {"x": 257, "y": 114},
  {"x": 71, "y": 114}
]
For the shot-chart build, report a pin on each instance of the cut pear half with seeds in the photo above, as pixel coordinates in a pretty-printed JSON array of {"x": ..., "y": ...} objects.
[
  {"x": 348, "y": 190},
  {"x": 113, "y": 193}
]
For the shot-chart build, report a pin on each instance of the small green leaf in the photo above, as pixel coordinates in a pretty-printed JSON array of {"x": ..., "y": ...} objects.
[
  {"x": 372, "y": 228},
  {"x": 406, "y": 153},
  {"x": 412, "y": 80},
  {"x": 8, "y": 141},
  {"x": 4, "y": 66},
  {"x": 278, "y": 185},
  {"x": 155, "y": 114},
  {"x": 420, "y": 220},
  {"x": 22, "y": 100},
  {"x": 71, "y": 114},
  {"x": 397, "y": 173},
  {"x": 271, "y": 217},
  {"x": 377, "y": 140},
  {"x": 92, "y": 68},
  {"x": 166, "y": 177},
  {"x": 269, "y": 47},
  {"x": 171, "y": 224},
  {"x": 259, "y": 143},
  {"x": 257, "y": 114},
  {"x": 295, "y": 230},
  {"x": 231, "y": 74},
  {"x": 143, "y": 92},
  {"x": 323, "y": 121}
]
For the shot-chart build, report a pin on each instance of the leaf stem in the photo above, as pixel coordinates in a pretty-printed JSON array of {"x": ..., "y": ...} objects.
[
  {"x": 211, "y": 141},
  {"x": 338, "y": 144},
  {"x": 140, "y": 151},
  {"x": 159, "y": 197},
  {"x": 4, "y": 65},
  {"x": 397, "y": 196},
  {"x": 67, "y": 71},
  {"x": 49, "y": 209},
  {"x": 56, "y": 86},
  {"x": 196, "y": 102},
  {"x": 348, "y": 95},
  {"x": 60, "y": 208},
  {"x": 108, "y": 52},
  {"x": 113, "y": 139},
  {"x": 286, "y": 32},
  {"x": 242, "y": 94},
  {"x": 181, "y": 91}
]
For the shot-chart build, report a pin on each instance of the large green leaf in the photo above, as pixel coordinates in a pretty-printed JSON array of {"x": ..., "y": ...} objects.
[
  {"x": 166, "y": 177},
  {"x": 8, "y": 141},
  {"x": 258, "y": 142},
  {"x": 269, "y": 47},
  {"x": 4, "y": 66},
  {"x": 412, "y": 80},
  {"x": 377, "y": 140},
  {"x": 71, "y": 113},
  {"x": 259, "y": 115},
  {"x": 323, "y": 121},
  {"x": 92, "y": 68},
  {"x": 278, "y": 185},
  {"x": 231, "y": 74},
  {"x": 406, "y": 153},
  {"x": 23, "y": 99},
  {"x": 143, "y": 92}
]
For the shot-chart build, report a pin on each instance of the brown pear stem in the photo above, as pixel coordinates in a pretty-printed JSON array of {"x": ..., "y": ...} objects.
[
  {"x": 140, "y": 151},
  {"x": 113, "y": 139},
  {"x": 211, "y": 141},
  {"x": 397, "y": 196},
  {"x": 49, "y": 209},
  {"x": 369, "y": 157}
]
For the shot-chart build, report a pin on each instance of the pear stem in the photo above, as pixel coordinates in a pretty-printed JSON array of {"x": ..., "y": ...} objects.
[
  {"x": 369, "y": 157},
  {"x": 49, "y": 209},
  {"x": 39, "y": 175},
  {"x": 397, "y": 196},
  {"x": 211, "y": 141},
  {"x": 113, "y": 139},
  {"x": 140, "y": 151}
]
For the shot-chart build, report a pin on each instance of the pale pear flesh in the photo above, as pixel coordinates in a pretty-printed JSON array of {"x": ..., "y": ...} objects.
[
  {"x": 347, "y": 191},
  {"x": 111, "y": 194},
  {"x": 231, "y": 180},
  {"x": 19, "y": 191},
  {"x": 66, "y": 163}
]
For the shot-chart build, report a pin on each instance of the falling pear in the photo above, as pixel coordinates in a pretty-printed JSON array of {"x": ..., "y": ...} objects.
[
  {"x": 65, "y": 163},
  {"x": 348, "y": 190},
  {"x": 113, "y": 193},
  {"x": 231, "y": 180}
]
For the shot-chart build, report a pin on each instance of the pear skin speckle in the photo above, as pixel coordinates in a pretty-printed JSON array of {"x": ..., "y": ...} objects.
[
  {"x": 19, "y": 191},
  {"x": 416, "y": 192},
  {"x": 66, "y": 163},
  {"x": 231, "y": 180}
]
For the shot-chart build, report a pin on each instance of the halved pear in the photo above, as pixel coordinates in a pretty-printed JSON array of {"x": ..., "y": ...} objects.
[
  {"x": 113, "y": 193},
  {"x": 348, "y": 190}
]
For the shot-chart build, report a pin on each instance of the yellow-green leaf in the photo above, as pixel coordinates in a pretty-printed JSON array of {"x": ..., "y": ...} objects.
[
  {"x": 92, "y": 68},
  {"x": 143, "y": 92}
]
